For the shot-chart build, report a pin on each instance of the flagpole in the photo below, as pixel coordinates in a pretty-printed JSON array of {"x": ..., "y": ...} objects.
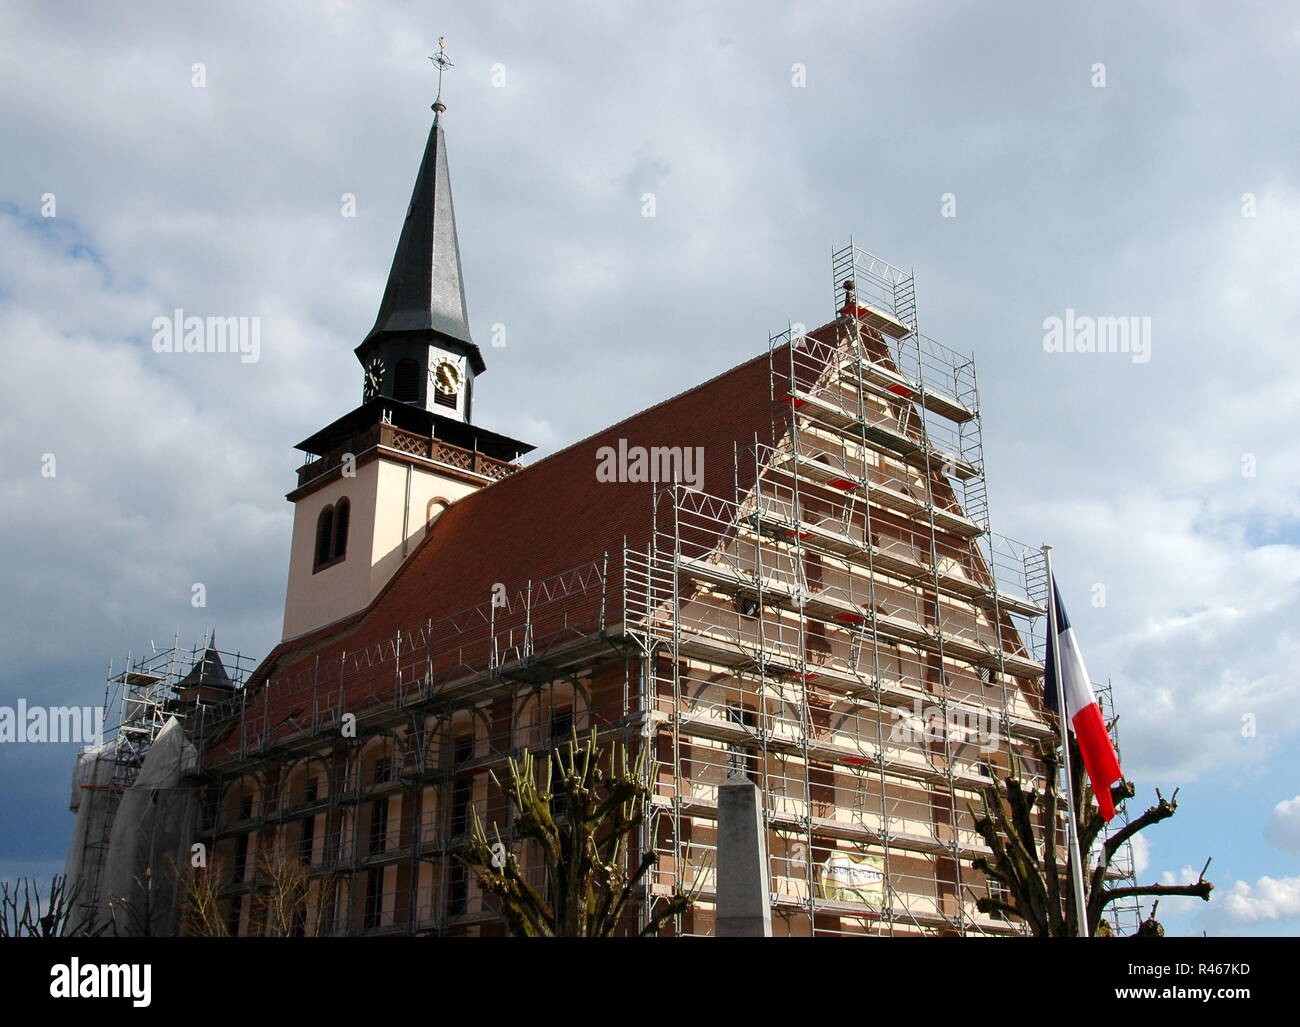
[{"x": 1076, "y": 861}]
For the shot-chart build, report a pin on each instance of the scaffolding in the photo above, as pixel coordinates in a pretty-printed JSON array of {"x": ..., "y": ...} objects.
[
  {"x": 197, "y": 686},
  {"x": 838, "y": 608},
  {"x": 1125, "y": 915},
  {"x": 375, "y": 810},
  {"x": 844, "y": 629}
]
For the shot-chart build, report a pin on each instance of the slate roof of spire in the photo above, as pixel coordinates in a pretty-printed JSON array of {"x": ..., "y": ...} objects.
[
  {"x": 208, "y": 672},
  {"x": 426, "y": 290}
]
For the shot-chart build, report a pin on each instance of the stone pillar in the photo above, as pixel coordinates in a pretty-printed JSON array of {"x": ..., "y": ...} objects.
[{"x": 743, "y": 910}]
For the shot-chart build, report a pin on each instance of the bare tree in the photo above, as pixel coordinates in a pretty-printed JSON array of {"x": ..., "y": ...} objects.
[
  {"x": 200, "y": 901},
  {"x": 283, "y": 896},
  {"x": 1027, "y": 864},
  {"x": 585, "y": 848},
  {"x": 27, "y": 912},
  {"x": 145, "y": 913}
]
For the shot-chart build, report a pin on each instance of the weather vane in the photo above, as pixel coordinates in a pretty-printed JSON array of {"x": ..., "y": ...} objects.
[{"x": 443, "y": 62}]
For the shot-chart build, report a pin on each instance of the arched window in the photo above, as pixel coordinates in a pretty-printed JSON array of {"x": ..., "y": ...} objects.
[
  {"x": 342, "y": 512},
  {"x": 332, "y": 534},
  {"x": 406, "y": 380},
  {"x": 324, "y": 538}
]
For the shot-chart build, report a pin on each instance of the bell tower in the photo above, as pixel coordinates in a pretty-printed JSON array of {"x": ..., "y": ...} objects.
[
  {"x": 378, "y": 477},
  {"x": 420, "y": 350}
]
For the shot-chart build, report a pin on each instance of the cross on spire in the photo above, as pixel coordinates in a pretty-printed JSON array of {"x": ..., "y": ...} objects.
[{"x": 443, "y": 62}]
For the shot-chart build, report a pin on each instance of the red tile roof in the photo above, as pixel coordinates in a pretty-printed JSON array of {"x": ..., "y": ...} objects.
[{"x": 549, "y": 518}]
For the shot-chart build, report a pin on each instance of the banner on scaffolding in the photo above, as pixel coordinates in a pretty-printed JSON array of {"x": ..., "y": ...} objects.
[{"x": 853, "y": 877}]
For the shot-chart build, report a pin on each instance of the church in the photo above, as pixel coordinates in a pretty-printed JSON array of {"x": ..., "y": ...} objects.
[{"x": 810, "y": 597}]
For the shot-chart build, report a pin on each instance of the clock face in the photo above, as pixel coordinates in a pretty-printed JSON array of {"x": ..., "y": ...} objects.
[
  {"x": 447, "y": 378},
  {"x": 374, "y": 378}
]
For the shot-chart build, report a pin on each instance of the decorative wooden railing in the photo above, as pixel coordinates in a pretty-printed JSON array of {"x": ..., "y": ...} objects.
[{"x": 391, "y": 437}]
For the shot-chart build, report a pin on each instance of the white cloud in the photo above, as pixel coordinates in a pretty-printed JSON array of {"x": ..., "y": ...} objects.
[
  {"x": 1141, "y": 854},
  {"x": 1270, "y": 905},
  {"x": 1201, "y": 564},
  {"x": 1267, "y": 899},
  {"x": 1283, "y": 828},
  {"x": 157, "y": 475}
]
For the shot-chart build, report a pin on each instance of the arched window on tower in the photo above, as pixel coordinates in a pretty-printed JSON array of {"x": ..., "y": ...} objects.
[
  {"x": 324, "y": 538},
  {"x": 332, "y": 534},
  {"x": 406, "y": 380},
  {"x": 342, "y": 512}
]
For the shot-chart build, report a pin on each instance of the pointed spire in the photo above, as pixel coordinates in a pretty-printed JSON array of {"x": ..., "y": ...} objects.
[
  {"x": 426, "y": 291},
  {"x": 208, "y": 671}
]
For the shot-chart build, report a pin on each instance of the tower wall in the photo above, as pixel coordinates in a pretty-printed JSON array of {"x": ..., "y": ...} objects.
[
  {"x": 316, "y": 597},
  {"x": 392, "y": 503},
  {"x": 410, "y": 500}
]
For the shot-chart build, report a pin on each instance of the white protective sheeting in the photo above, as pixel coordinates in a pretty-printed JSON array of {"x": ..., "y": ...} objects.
[{"x": 150, "y": 838}]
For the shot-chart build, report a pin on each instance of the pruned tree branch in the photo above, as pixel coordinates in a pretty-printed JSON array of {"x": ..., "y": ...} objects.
[
  {"x": 1025, "y": 864},
  {"x": 580, "y": 807}
]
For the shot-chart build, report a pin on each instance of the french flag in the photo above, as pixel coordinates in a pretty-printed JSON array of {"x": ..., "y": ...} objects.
[{"x": 1082, "y": 710}]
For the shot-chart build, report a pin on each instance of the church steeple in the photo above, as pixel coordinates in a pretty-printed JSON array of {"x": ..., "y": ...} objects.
[
  {"x": 378, "y": 478},
  {"x": 426, "y": 289},
  {"x": 420, "y": 351}
]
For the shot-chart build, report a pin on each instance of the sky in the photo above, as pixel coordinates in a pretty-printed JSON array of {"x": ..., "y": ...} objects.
[{"x": 1028, "y": 160}]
